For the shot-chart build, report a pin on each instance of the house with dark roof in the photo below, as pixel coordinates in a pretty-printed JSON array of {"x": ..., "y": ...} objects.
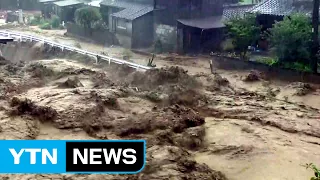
[
  {"x": 47, "y": 7},
  {"x": 180, "y": 25},
  {"x": 66, "y": 9},
  {"x": 131, "y": 21},
  {"x": 270, "y": 11},
  {"x": 189, "y": 26}
]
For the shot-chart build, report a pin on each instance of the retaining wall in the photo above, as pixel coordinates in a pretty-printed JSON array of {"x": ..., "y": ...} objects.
[{"x": 229, "y": 63}]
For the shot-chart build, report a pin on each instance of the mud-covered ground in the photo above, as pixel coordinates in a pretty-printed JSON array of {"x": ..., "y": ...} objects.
[{"x": 198, "y": 125}]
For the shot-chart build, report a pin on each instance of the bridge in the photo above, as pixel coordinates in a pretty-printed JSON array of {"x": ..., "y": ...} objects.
[{"x": 8, "y": 36}]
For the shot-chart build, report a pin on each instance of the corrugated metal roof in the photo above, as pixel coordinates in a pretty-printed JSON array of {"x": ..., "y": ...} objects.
[
  {"x": 230, "y": 11},
  {"x": 204, "y": 23},
  {"x": 67, "y": 3},
  {"x": 130, "y": 10}
]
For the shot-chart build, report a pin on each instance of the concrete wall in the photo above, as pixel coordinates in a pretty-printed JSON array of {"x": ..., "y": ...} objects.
[
  {"x": 229, "y": 63},
  {"x": 167, "y": 35}
]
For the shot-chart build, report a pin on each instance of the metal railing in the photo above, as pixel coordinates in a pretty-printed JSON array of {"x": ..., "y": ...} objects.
[{"x": 24, "y": 37}]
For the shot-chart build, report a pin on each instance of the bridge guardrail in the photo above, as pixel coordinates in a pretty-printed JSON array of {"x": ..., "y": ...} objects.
[{"x": 22, "y": 36}]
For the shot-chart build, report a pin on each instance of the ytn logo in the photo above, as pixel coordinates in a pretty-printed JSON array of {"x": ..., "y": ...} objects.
[{"x": 45, "y": 154}]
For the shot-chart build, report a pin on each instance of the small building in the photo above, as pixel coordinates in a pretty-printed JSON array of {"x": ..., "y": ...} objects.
[
  {"x": 270, "y": 11},
  {"x": 66, "y": 9},
  {"x": 132, "y": 22},
  {"x": 47, "y": 7},
  {"x": 200, "y": 35},
  {"x": 181, "y": 23}
]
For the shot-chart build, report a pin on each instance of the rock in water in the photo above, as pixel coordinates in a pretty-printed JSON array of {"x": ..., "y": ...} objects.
[{"x": 71, "y": 83}]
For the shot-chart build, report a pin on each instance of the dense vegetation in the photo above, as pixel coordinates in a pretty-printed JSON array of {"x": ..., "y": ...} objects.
[
  {"x": 243, "y": 32},
  {"x": 290, "y": 40},
  {"x": 53, "y": 23},
  {"x": 88, "y": 17}
]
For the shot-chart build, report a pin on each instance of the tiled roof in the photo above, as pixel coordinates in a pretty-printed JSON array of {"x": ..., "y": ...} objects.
[
  {"x": 283, "y": 7},
  {"x": 130, "y": 11},
  {"x": 274, "y": 7},
  {"x": 67, "y": 3},
  {"x": 230, "y": 11}
]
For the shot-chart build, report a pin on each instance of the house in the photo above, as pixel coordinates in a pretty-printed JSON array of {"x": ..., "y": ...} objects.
[
  {"x": 189, "y": 25},
  {"x": 270, "y": 11},
  {"x": 131, "y": 21},
  {"x": 47, "y": 7},
  {"x": 180, "y": 25},
  {"x": 66, "y": 9}
]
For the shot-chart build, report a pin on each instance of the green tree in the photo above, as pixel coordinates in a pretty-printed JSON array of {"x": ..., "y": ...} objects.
[
  {"x": 244, "y": 31},
  {"x": 291, "y": 39},
  {"x": 87, "y": 17},
  {"x": 315, "y": 37}
]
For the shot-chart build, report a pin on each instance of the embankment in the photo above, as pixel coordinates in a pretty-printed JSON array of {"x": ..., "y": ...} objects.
[{"x": 229, "y": 63}]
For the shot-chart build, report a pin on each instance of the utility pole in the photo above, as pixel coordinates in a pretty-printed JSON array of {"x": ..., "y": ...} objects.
[{"x": 315, "y": 36}]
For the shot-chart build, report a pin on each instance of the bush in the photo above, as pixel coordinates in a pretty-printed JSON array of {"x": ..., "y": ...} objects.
[
  {"x": 299, "y": 66},
  {"x": 315, "y": 170},
  {"x": 291, "y": 38},
  {"x": 55, "y": 22},
  {"x": 35, "y": 20},
  {"x": 244, "y": 32},
  {"x": 100, "y": 25},
  {"x": 267, "y": 60},
  {"x": 45, "y": 26}
]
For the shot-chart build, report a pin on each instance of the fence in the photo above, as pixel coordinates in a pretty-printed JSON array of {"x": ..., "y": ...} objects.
[{"x": 25, "y": 37}]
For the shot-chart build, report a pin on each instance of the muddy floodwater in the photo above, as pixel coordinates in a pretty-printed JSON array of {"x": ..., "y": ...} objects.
[{"x": 198, "y": 124}]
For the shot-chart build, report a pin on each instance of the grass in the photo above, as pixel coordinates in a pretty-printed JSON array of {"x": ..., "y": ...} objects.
[
  {"x": 267, "y": 60},
  {"x": 298, "y": 66}
]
